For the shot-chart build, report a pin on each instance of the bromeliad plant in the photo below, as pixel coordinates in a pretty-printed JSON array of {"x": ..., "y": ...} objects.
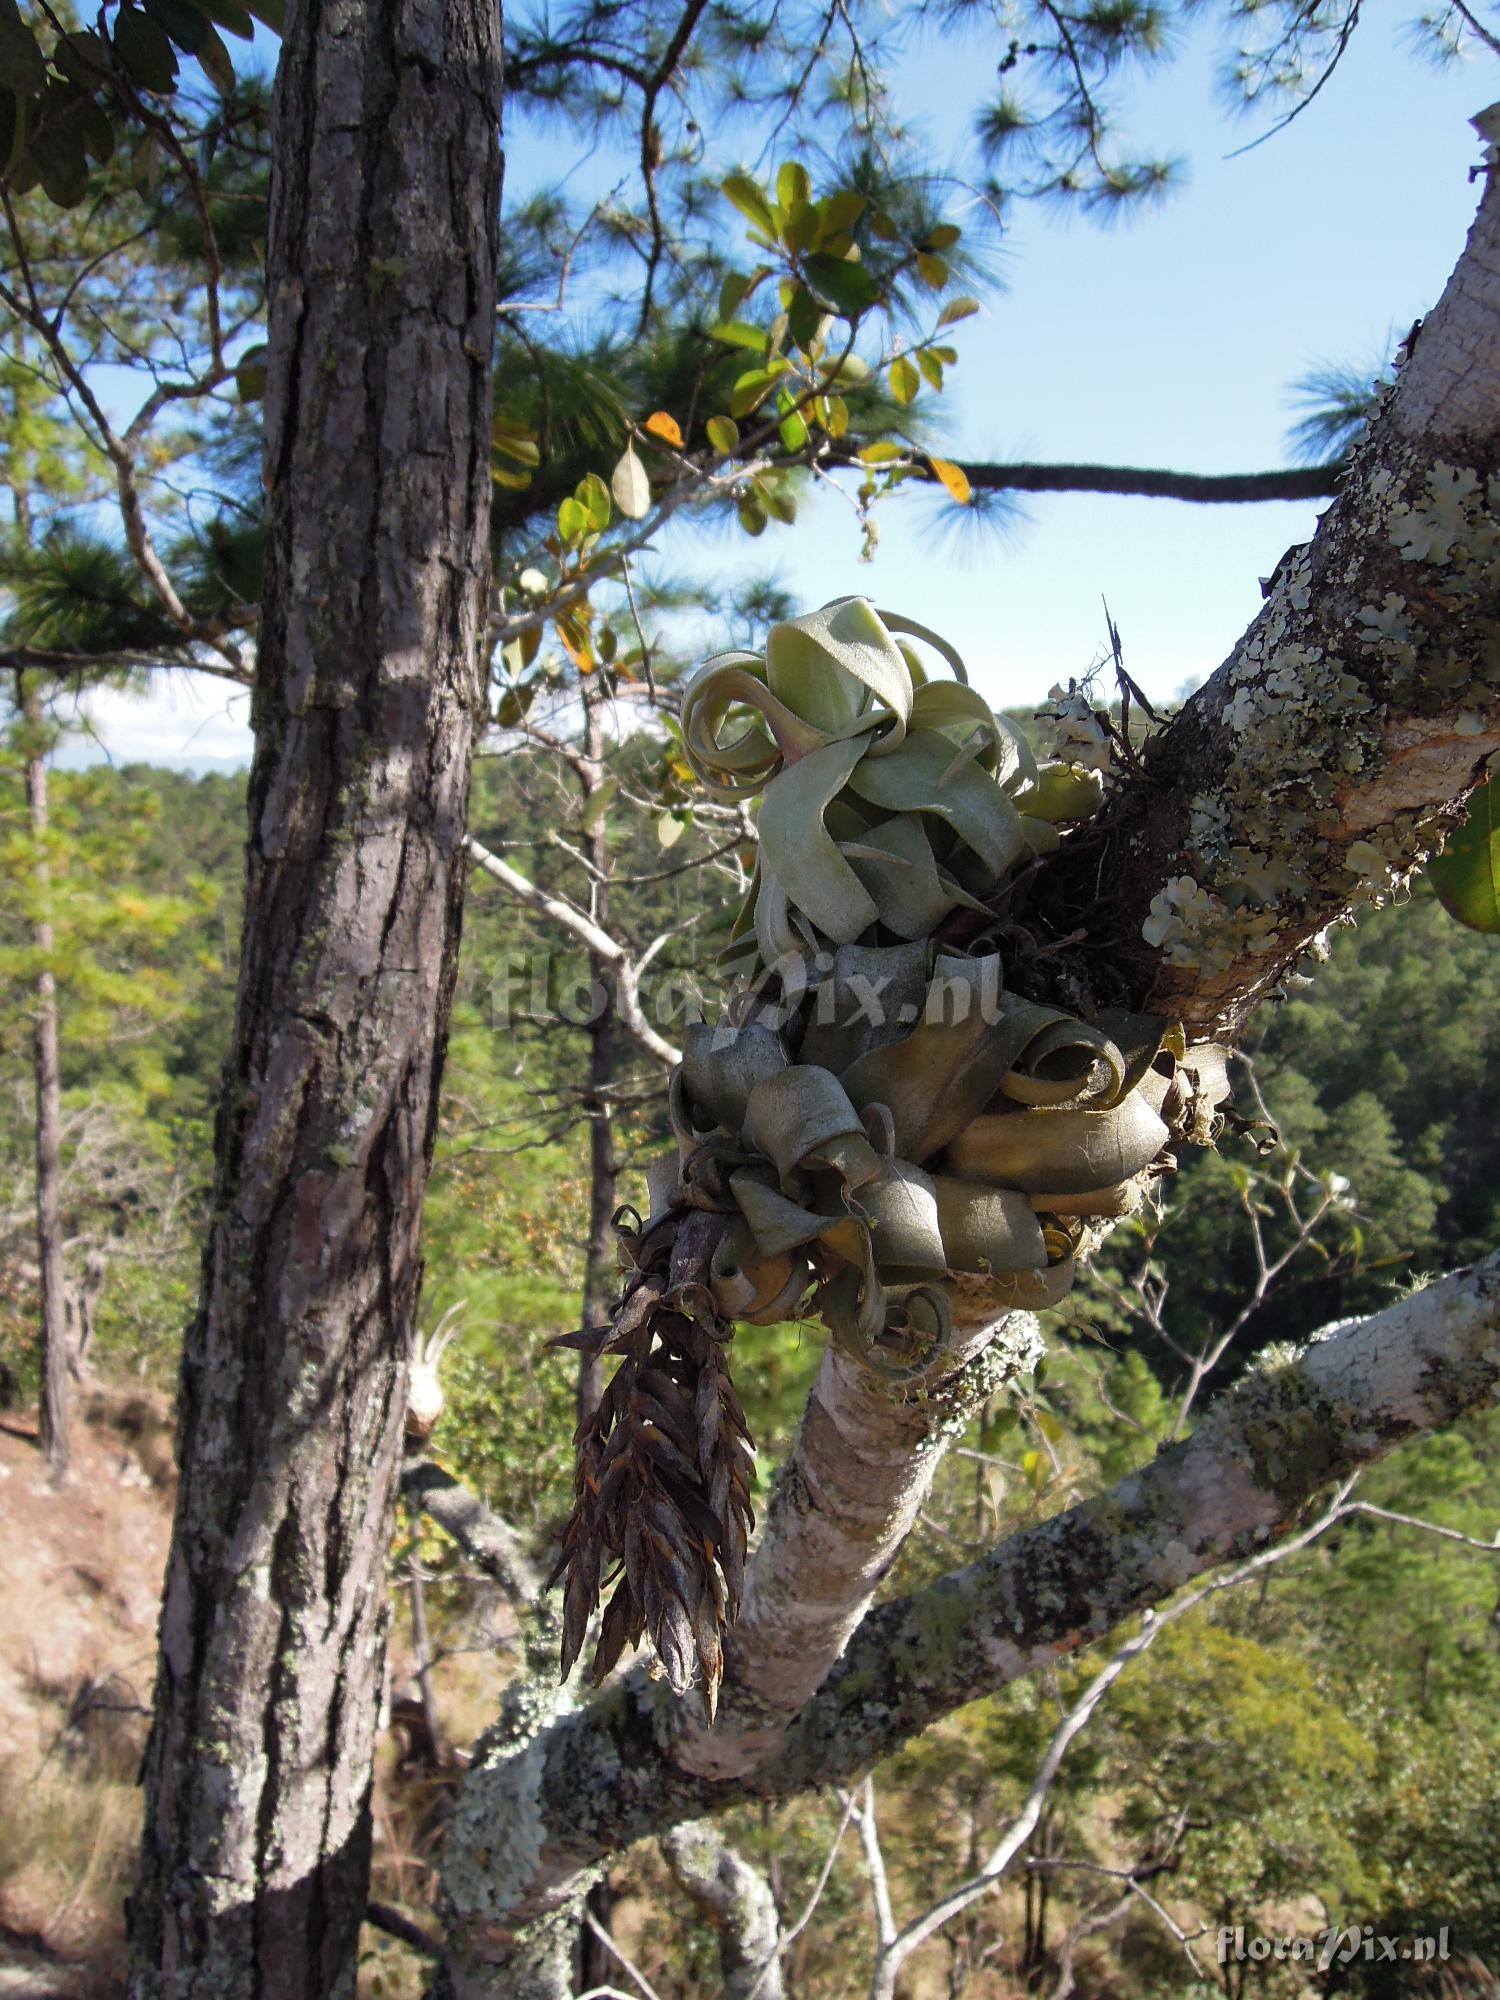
[{"x": 897, "y": 1124}]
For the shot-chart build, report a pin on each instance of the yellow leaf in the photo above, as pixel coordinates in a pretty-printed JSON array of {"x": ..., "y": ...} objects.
[
  {"x": 954, "y": 478},
  {"x": 661, "y": 425}
]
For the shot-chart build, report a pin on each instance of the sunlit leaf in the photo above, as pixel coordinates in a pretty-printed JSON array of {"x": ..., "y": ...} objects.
[
  {"x": 905, "y": 381},
  {"x": 723, "y": 434},
  {"x": 631, "y": 487},
  {"x": 572, "y": 520},
  {"x": 957, "y": 309},
  {"x": 954, "y": 478},
  {"x": 793, "y": 186},
  {"x": 739, "y": 333},
  {"x": 750, "y": 199},
  {"x": 592, "y": 495}
]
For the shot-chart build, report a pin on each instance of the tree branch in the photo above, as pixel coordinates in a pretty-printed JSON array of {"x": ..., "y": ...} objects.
[
  {"x": 1328, "y": 755},
  {"x": 624, "y": 970},
  {"x": 1295, "y": 482},
  {"x": 605, "y": 1775},
  {"x": 737, "y": 1901}
]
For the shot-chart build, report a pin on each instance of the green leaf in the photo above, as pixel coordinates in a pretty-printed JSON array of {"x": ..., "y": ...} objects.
[
  {"x": 752, "y": 388},
  {"x": 750, "y": 199},
  {"x": 12, "y": 129},
  {"x": 793, "y": 185},
  {"x": 803, "y": 228},
  {"x": 670, "y": 828},
  {"x": 235, "y": 19},
  {"x": 144, "y": 49},
  {"x": 739, "y": 333},
  {"x": 793, "y": 431},
  {"x": 931, "y": 367},
  {"x": 957, "y": 309},
  {"x": 214, "y": 61},
  {"x": 723, "y": 434},
  {"x": 752, "y": 517},
  {"x": 838, "y": 416},
  {"x": 572, "y": 520},
  {"x": 631, "y": 487},
  {"x": 846, "y": 286},
  {"x": 905, "y": 381},
  {"x": 21, "y": 61},
  {"x": 943, "y": 237},
  {"x": 807, "y": 321},
  {"x": 1049, "y": 1427},
  {"x": 514, "y": 444},
  {"x": 598, "y": 804},
  {"x": 842, "y": 210},
  {"x": 882, "y": 452},
  {"x": 592, "y": 496},
  {"x": 731, "y": 292},
  {"x": 1466, "y": 875},
  {"x": 778, "y": 500},
  {"x": 933, "y": 271},
  {"x": 59, "y": 143},
  {"x": 185, "y": 23},
  {"x": 83, "y": 57}
]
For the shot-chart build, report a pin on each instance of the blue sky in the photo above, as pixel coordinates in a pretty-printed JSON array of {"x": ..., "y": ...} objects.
[{"x": 1169, "y": 339}]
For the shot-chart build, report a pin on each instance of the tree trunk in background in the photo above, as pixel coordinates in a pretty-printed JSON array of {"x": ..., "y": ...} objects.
[
  {"x": 597, "y": 1965},
  {"x": 381, "y": 276},
  {"x": 54, "y": 1396},
  {"x": 600, "y": 1280}
]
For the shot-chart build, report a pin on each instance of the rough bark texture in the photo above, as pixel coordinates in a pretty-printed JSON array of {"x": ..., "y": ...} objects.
[
  {"x": 603, "y": 1776},
  {"x": 381, "y": 265},
  {"x": 49, "y": 1257},
  {"x": 1325, "y": 757}
]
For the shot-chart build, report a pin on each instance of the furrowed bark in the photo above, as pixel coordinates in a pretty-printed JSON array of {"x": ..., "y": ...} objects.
[
  {"x": 381, "y": 265},
  {"x": 1328, "y": 754},
  {"x": 604, "y": 1776}
]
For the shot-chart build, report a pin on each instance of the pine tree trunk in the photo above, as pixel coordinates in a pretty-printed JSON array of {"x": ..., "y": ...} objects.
[
  {"x": 54, "y": 1398},
  {"x": 381, "y": 278}
]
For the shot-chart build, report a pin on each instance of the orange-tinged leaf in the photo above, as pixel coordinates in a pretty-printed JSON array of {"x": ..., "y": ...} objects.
[
  {"x": 954, "y": 478},
  {"x": 661, "y": 425}
]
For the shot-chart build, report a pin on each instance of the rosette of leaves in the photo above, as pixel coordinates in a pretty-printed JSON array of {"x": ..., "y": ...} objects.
[{"x": 880, "y": 1130}]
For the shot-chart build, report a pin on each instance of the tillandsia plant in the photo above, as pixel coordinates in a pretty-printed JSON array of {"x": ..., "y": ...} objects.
[{"x": 911, "y": 1119}]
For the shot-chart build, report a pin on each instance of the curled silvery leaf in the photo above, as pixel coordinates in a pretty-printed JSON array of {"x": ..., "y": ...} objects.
[
  {"x": 888, "y": 1129},
  {"x": 887, "y": 800}
]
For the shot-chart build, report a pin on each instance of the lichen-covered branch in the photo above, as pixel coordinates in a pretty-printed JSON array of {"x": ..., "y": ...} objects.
[
  {"x": 736, "y": 1899},
  {"x": 1325, "y": 759},
  {"x": 860, "y": 1468},
  {"x": 525, "y": 1827}
]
